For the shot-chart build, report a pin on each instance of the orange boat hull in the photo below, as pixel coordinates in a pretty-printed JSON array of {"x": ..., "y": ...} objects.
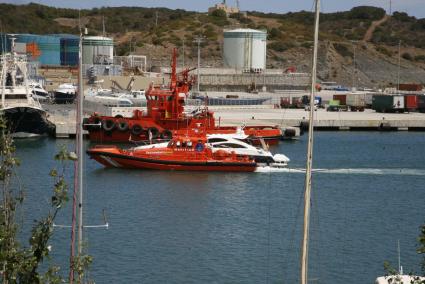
[{"x": 114, "y": 157}]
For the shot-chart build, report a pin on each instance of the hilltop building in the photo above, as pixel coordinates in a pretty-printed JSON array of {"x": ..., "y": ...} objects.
[{"x": 223, "y": 6}]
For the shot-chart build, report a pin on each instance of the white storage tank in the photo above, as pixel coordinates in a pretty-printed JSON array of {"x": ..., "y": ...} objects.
[
  {"x": 98, "y": 50},
  {"x": 245, "y": 49}
]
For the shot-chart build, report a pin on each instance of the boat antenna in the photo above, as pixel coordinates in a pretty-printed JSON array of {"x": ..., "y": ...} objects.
[
  {"x": 307, "y": 195},
  {"x": 400, "y": 268}
]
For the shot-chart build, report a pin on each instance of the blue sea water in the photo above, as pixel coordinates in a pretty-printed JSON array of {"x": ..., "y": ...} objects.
[{"x": 186, "y": 227}]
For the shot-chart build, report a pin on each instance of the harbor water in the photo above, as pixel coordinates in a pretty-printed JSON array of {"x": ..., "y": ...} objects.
[{"x": 193, "y": 227}]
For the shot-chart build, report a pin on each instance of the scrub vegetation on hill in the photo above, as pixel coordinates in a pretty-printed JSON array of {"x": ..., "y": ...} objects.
[{"x": 154, "y": 31}]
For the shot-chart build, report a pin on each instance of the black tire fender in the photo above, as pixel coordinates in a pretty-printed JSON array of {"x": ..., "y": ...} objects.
[
  {"x": 122, "y": 125},
  {"x": 166, "y": 134},
  {"x": 108, "y": 125},
  {"x": 136, "y": 129}
]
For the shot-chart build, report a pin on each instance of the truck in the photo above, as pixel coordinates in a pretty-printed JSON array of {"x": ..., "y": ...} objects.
[
  {"x": 334, "y": 105},
  {"x": 421, "y": 103},
  {"x": 388, "y": 103},
  {"x": 356, "y": 102}
]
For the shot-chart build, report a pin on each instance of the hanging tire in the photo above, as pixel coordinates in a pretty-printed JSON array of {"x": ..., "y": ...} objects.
[
  {"x": 108, "y": 125},
  {"x": 136, "y": 129},
  {"x": 154, "y": 131},
  {"x": 122, "y": 125},
  {"x": 166, "y": 134}
]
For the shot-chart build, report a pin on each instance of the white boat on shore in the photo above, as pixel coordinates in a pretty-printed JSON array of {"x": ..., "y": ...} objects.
[{"x": 65, "y": 93}]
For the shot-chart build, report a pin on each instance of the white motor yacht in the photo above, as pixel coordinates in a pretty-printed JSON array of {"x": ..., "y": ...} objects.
[
  {"x": 110, "y": 100},
  {"x": 38, "y": 92},
  {"x": 65, "y": 93},
  {"x": 232, "y": 143},
  {"x": 24, "y": 115}
]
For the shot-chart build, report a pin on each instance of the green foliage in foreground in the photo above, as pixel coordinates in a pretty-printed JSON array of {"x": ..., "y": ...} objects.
[
  {"x": 392, "y": 274},
  {"x": 18, "y": 263}
]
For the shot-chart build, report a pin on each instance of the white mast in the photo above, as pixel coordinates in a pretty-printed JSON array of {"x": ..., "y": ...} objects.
[
  {"x": 307, "y": 196},
  {"x": 79, "y": 141}
]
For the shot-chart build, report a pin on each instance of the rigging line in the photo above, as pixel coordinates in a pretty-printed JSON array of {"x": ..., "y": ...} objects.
[
  {"x": 316, "y": 222},
  {"x": 344, "y": 239},
  {"x": 268, "y": 228},
  {"x": 291, "y": 242}
]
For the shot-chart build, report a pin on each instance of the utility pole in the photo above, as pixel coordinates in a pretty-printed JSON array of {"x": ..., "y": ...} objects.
[
  {"x": 199, "y": 39},
  {"x": 391, "y": 4},
  {"x": 398, "y": 70},
  {"x": 103, "y": 26},
  {"x": 156, "y": 19},
  {"x": 353, "y": 86},
  {"x": 183, "y": 53}
]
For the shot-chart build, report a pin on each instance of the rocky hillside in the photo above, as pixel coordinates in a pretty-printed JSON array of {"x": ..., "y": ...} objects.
[{"x": 365, "y": 33}]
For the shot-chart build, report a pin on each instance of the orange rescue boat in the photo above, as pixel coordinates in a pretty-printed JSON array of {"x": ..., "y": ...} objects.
[{"x": 181, "y": 153}]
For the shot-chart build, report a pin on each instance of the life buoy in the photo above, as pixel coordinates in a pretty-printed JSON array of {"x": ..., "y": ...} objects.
[
  {"x": 108, "y": 125},
  {"x": 167, "y": 134},
  {"x": 153, "y": 131},
  {"x": 122, "y": 125},
  {"x": 136, "y": 129}
]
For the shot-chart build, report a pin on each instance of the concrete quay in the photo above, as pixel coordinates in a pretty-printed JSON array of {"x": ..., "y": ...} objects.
[
  {"x": 323, "y": 120},
  {"x": 63, "y": 116}
]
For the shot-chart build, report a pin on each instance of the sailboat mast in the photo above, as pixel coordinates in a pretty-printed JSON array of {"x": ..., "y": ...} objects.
[
  {"x": 80, "y": 101},
  {"x": 78, "y": 178},
  {"x": 307, "y": 196}
]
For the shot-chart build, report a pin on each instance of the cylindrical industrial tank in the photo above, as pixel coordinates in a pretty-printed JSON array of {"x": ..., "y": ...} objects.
[
  {"x": 42, "y": 48},
  {"x": 69, "y": 50},
  {"x": 98, "y": 50},
  {"x": 245, "y": 49}
]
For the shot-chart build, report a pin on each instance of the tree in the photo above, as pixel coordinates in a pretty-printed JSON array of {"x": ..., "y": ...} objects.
[
  {"x": 392, "y": 274},
  {"x": 20, "y": 264}
]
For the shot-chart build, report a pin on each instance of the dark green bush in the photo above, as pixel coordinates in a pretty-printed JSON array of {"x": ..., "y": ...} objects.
[
  {"x": 407, "y": 56},
  {"x": 343, "y": 50},
  {"x": 420, "y": 58}
]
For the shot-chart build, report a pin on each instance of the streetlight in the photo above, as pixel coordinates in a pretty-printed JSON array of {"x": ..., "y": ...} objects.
[{"x": 199, "y": 39}]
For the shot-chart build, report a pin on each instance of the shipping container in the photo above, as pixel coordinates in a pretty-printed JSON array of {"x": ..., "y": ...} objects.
[
  {"x": 421, "y": 103},
  {"x": 411, "y": 102},
  {"x": 388, "y": 103},
  {"x": 368, "y": 100},
  {"x": 410, "y": 87},
  {"x": 356, "y": 102},
  {"x": 341, "y": 98},
  {"x": 285, "y": 102},
  {"x": 297, "y": 102}
]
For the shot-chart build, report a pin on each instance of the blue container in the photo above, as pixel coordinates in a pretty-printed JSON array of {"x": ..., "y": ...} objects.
[
  {"x": 69, "y": 50},
  {"x": 48, "y": 46}
]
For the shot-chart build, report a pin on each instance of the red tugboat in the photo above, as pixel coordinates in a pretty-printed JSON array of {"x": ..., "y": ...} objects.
[
  {"x": 181, "y": 153},
  {"x": 164, "y": 115}
]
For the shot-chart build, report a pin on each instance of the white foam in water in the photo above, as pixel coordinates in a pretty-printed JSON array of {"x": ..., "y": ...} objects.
[{"x": 363, "y": 171}]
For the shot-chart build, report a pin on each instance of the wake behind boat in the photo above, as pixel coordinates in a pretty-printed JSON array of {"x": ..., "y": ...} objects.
[{"x": 24, "y": 115}]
